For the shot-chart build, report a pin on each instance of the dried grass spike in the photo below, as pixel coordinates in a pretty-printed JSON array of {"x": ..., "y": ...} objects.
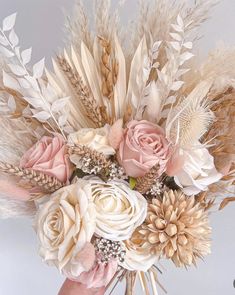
[
  {"x": 144, "y": 184},
  {"x": 93, "y": 111},
  {"x": 46, "y": 182}
]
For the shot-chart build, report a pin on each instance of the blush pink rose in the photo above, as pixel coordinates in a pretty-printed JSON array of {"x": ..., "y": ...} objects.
[
  {"x": 100, "y": 274},
  {"x": 48, "y": 156},
  {"x": 144, "y": 146}
]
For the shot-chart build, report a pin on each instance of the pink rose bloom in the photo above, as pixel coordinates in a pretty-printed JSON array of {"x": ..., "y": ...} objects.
[
  {"x": 143, "y": 147},
  {"x": 48, "y": 156},
  {"x": 100, "y": 275}
]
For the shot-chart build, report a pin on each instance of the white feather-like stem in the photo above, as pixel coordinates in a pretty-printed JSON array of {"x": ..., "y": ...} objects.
[
  {"x": 120, "y": 86},
  {"x": 10, "y": 208}
]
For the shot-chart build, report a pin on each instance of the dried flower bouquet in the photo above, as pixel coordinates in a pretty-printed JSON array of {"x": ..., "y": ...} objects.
[{"x": 122, "y": 150}]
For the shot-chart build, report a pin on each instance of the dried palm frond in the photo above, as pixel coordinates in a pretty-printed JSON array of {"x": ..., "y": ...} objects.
[{"x": 177, "y": 228}]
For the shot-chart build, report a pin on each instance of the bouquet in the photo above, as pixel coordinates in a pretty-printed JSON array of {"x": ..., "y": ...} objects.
[{"x": 120, "y": 152}]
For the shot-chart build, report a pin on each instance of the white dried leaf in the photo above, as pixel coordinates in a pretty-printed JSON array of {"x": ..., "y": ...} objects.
[
  {"x": 177, "y": 28},
  {"x": 180, "y": 21},
  {"x": 62, "y": 120},
  {"x": 33, "y": 82},
  {"x": 38, "y": 69},
  {"x": 17, "y": 51},
  {"x": 181, "y": 72},
  {"x": 17, "y": 70},
  {"x": 37, "y": 103},
  {"x": 175, "y": 45},
  {"x": 188, "y": 45},
  {"x": 156, "y": 46},
  {"x": 59, "y": 104},
  {"x": 3, "y": 41},
  {"x": 24, "y": 83},
  {"x": 10, "y": 82},
  {"x": 6, "y": 52},
  {"x": 26, "y": 55},
  {"x": 177, "y": 85},
  {"x": 171, "y": 99},
  {"x": 11, "y": 103},
  {"x": 185, "y": 56},
  {"x": 176, "y": 36},
  {"x": 162, "y": 77},
  {"x": 42, "y": 116},
  {"x": 27, "y": 111},
  {"x": 13, "y": 38},
  {"x": 9, "y": 22}
]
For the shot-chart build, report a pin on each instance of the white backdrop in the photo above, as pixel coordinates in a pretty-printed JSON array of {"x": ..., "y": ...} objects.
[{"x": 22, "y": 272}]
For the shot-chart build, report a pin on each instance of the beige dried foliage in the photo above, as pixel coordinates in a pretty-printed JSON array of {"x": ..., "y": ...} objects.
[
  {"x": 177, "y": 228},
  {"x": 222, "y": 131}
]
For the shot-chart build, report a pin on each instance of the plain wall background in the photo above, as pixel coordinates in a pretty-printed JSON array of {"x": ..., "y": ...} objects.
[{"x": 40, "y": 25}]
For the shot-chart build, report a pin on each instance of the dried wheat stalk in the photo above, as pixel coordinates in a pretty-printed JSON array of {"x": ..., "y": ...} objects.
[
  {"x": 144, "y": 184},
  {"x": 46, "y": 182},
  {"x": 109, "y": 72},
  {"x": 93, "y": 111},
  {"x": 97, "y": 159}
]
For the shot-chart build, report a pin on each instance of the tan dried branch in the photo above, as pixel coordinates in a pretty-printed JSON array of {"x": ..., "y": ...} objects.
[
  {"x": 130, "y": 282},
  {"x": 144, "y": 184},
  {"x": 205, "y": 200},
  {"x": 39, "y": 179},
  {"x": 93, "y": 111}
]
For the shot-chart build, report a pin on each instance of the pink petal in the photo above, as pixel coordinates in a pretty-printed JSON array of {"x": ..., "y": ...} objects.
[
  {"x": 175, "y": 164},
  {"x": 116, "y": 134}
]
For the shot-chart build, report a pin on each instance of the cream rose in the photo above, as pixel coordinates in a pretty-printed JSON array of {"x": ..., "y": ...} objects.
[
  {"x": 137, "y": 258},
  {"x": 119, "y": 210},
  {"x": 96, "y": 139},
  {"x": 65, "y": 225},
  {"x": 198, "y": 171}
]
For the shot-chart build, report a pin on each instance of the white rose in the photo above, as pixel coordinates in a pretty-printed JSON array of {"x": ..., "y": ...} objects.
[
  {"x": 119, "y": 210},
  {"x": 65, "y": 224},
  {"x": 96, "y": 139},
  {"x": 198, "y": 171},
  {"x": 137, "y": 258}
]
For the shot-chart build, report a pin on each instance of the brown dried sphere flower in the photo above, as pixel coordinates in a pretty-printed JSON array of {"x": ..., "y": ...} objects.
[{"x": 177, "y": 228}]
